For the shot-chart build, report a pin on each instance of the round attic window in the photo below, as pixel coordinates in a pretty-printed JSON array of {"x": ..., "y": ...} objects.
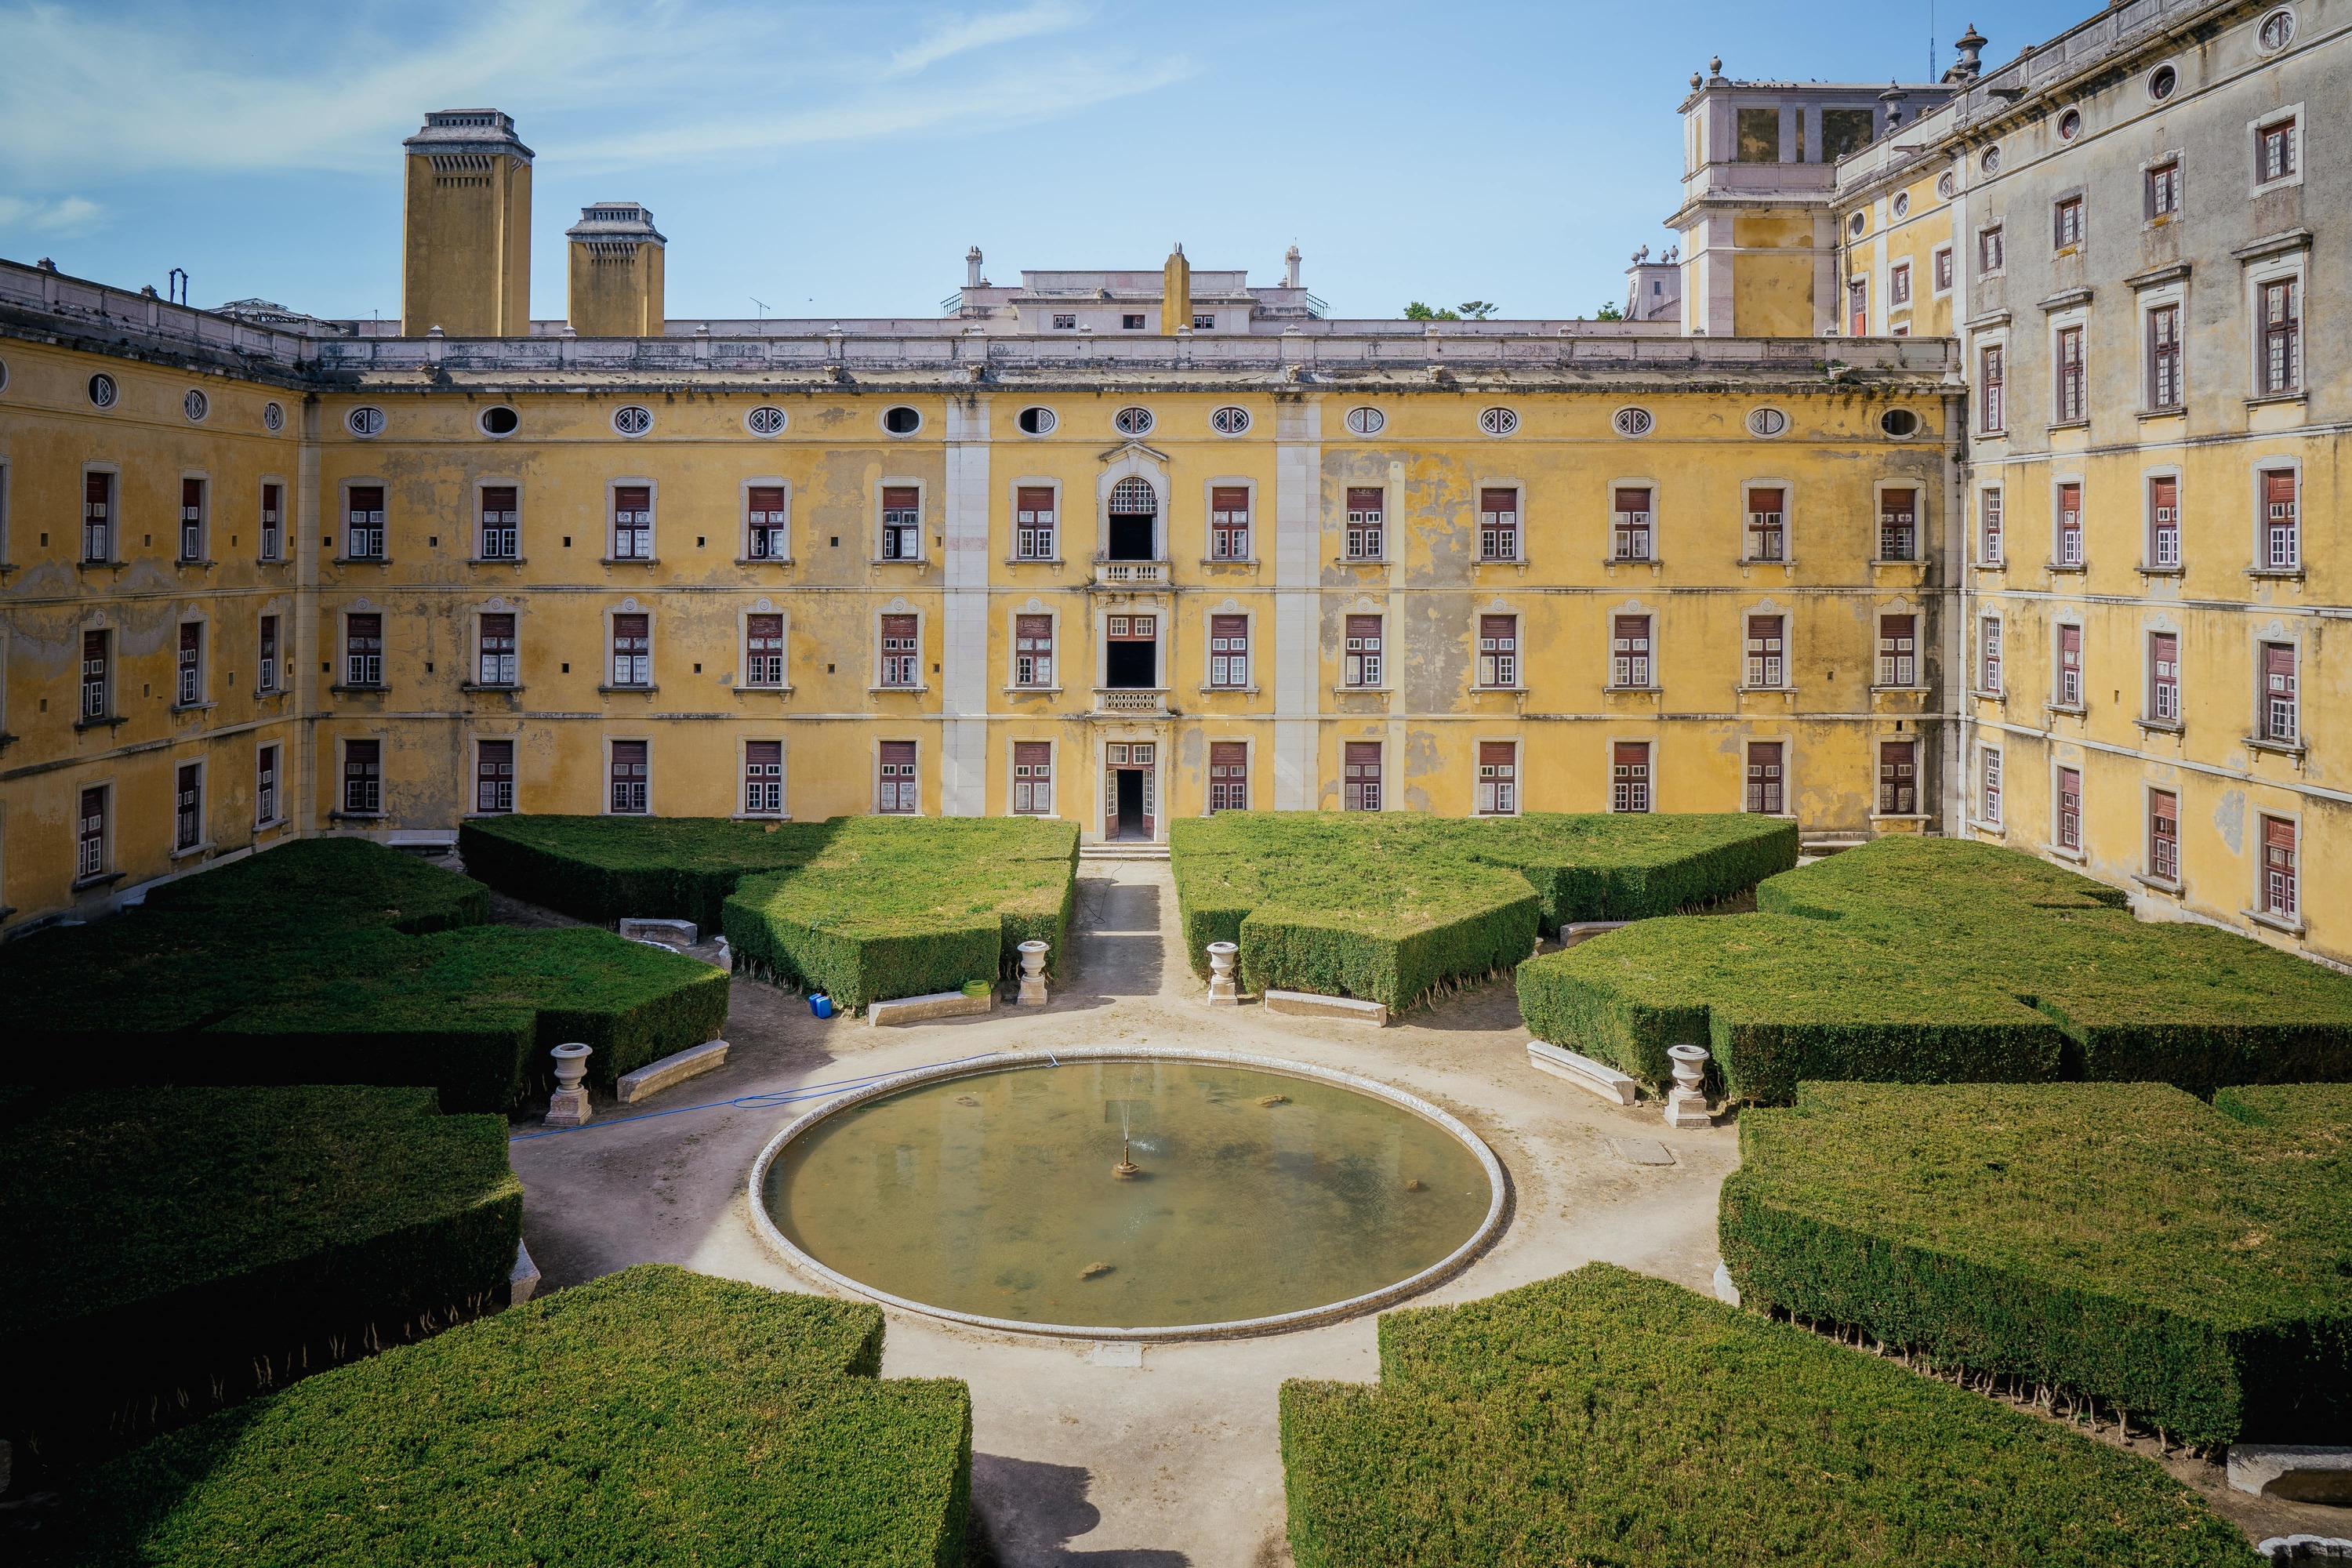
[
  {"x": 1632, "y": 422},
  {"x": 1990, "y": 162},
  {"x": 1856, "y": 225},
  {"x": 902, "y": 420},
  {"x": 1766, "y": 422},
  {"x": 766, "y": 420},
  {"x": 1229, "y": 420},
  {"x": 2278, "y": 31},
  {"x": 1945, "y": 185},
  {"x": 365, "y": 421},
  {"x": 2161, "y": 81},
  {"x": 1132, "y": 421},
  {"x": 195, "y": 405},
  {"x": 1367, "y": 421},
  {"x": 1036, "y": 421},
  {"x": 633, "y": 419},
  {"x": 500, "y": 421},
  {"x": 273, "y": 417},
  {"x": 101, "y": 390},
  {"x": 1498, "y": 421},
  {"x": 2070, "y": 126},
  {"x": 1899, "y": 422}
]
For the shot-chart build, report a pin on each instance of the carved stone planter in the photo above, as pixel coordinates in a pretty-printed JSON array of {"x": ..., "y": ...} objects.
[
  {"x": 1686, "y": 1102},
  {"x": 569, "y": 1106},
  {"x": 1222, "y": 991},
  {"x": 1033, "y": 971}
]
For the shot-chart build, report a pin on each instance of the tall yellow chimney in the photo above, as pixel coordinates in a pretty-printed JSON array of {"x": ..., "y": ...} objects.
[
  {"x": 466, "y": 227},
  {"x": 616, "y": 272},
  {"x": 1176, "y": 294}
]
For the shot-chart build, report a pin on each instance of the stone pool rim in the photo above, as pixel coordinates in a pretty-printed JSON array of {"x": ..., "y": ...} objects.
[{"x": 1497, "y": 1189}]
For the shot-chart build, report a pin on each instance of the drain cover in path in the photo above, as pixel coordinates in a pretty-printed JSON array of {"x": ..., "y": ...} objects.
[{"x": 1642, "y": 1151}]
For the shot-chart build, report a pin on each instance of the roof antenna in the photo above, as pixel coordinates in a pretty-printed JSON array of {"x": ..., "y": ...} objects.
[{"x": 762, "y": 303}]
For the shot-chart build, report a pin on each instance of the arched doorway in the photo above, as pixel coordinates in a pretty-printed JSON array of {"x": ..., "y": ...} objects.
[{"x": 1134, "y": 511}]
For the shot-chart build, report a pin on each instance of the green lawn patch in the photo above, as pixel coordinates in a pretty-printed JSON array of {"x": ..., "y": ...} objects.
[
  {"x": 653, "y": 1417},
  {"x": 335, "y": 960},
  {"x": 1388, "y": 907},
  {"x": 163, "y": 1243},
  {"x": 2191, "y": 1264},
  {"x": 1929, "y": 961},
  {"x": 1603, "y": 1417}
]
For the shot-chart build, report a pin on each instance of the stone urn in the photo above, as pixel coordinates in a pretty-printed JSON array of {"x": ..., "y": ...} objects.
[
  {"x": 569, "y": 1105},
  {"x": 1222, "y": 990},
  {"x": 1032, "y": 971},
  {"x": 1686, "y": 1102}
]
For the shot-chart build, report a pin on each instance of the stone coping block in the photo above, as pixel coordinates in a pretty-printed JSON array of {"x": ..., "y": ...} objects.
[
  {"x": 1576, "y": 931},
  {"x": 1726, "y": 1289},
  {"x": 676, "y": 1068},
  {"x": 1584, "y": 1072},
  {"x": 667, "y": 933},
  {"x": 1307, "y": 1005},
  {"x": 2298, "y": 1471},
  {"x": 2307, "y": 1548},
  {"x": 921, "y": 1009},
  {"x": 522, "y": 1280}
]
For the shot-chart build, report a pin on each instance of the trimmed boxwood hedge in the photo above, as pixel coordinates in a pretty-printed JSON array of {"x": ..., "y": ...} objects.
[
  {"x": 1389, "y": 906},
  {"x": 653, "y": 1417},
  {"x": 162, "y": 1242},
  {"x": 301, "y": 966},
  {"x": 601, "y": 869},
  {"x": 907, "y": 906},
  {"x": 1925, "y": 959},
  {"x": 2191, "y": 1264},
  {"x": 1606, "y": 1417}
]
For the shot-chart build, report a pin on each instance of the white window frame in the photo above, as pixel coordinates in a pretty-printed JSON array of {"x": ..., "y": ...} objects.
[
  {"x": 743, "y": 645},
  {"x": 342, "y": 659},
  {"x": 1209, "y": 487},
  {"x": 204, "y": 555},
  {"x": 1518, "y": 655},
  {"x": 473, "y": 677},
  {"x": 2057, "y": 698},
  {"x": 2059, "y": 479},
  {"x": 604, "y": 779},
  {"x": 874, "y": 773},
  {"x": 1747, "y": 613},
  {"x": 2257, "y": 731},
  {"x": 1920, "y": 534},
  {"x": 2171, "y": 296},
  {"x": 1997, "y": 819},
  {"x": 2255, "y": 184},
  {"x": 1937, "y": 290},
  {"x": 343, "y": 530},
  {"x": 2147, "y": 478},
  {"x": 2148, "y": 632},
  {"x": 604, "y": 674},
  {"x": 1918, "y": 681},
  {"x": 1976, "y": 346},
  {"x": 285, "y": 541},
  {"x": 482, "y": 483},
  {"x": 2178, "y": 159},
  {"x": 473, "y": 781},
  {"x": 2257, "y": 908},
  {"x": 1787, "y": 489},
  {"x": 1012, "y": 651},
  {"x": 1977, "y": 525},
  {"x": 200, "y": 617},
  {"x": 1011, "y": 778},
  {"x": 278, "y": 789},
  {"x": 873, "y": 641},
  {"x": 743, "y": 556},
  {"x": 1384, "y": 553},
  {"x": 784, "y": 811},
  {"x": 1020, "y": 482},
  {"x": 1479, "y": 786},
  {"x": 2284, "y": 266},
  {"x": 2057, "y": 843},
  {"x": 1609, "y": 509},
  {"x": 1478, "y": 556},
  {"x": 107, "y": 831},
  {"x": 1998, "y": 626},
  {"x": 1249, "y": 632},
  {"x": 2077, "y": 319},
  {"x": 611, "y": 534},
  {"x": 2148, "y": 790},
  {"x": 922, "y": 556}
]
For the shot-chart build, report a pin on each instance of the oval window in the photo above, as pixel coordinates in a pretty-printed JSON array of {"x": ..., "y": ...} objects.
[
  {"x": 1902, "y": 203},
  {"x": 1498, "y": 421},
  {"x": 2070, "y": 126},
  {"x": 2161, "y": 81},
  {"x": 1367, "y": 421},
  {"x": 4, "y": 375},
  {"x": 1856, "y": 225},
  {"x": 1632, "y": 422},
  {"x": 1229, "y": 420},
  {"x": 2277, "y": 30},
  {"x": 1036, "y": 421},
  {"x": 1945, "y": 185},
  {"x": 273, "y": 417},
  {"x": 901, "y": 420},
  {"x": 1899, "y": 422},
  {"x": 195, "y": 405},
  {"x": 1132, "y": 421},
  {"x": 1766, "y": 422},
  {"x": 101, "y": 390},
  {"x": 633, "y": 419},
  {"x": 365, "y": 421},
  {"x": 1990, "y": 162},
  {"x": 500, "y": 421},
  {"x": 766, "y": 420}
]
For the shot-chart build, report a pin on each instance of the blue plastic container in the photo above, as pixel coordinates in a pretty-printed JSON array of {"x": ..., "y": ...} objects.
[{"x": 821, "y": 1005}]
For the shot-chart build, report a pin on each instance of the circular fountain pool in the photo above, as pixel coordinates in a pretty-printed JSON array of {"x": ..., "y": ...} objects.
[{"x": 1262, "y": 1194}]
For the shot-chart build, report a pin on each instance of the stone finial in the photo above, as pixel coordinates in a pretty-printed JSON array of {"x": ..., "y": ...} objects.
[
  {"x": 1970, "y": 64},
  {"x": 1697, "y": 82},
  {"x": 1714, "y": 66}
]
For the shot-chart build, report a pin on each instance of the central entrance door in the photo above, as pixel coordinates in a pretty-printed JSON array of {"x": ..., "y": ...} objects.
[{"x": 1129, "y": 808}]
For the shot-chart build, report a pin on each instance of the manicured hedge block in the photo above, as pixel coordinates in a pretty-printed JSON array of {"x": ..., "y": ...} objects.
[
  {"x": 297, "y": 967},
  {"x": 1933, "y": 961},
  {"x": 1389, "y": 906},
  {"x": 602, "y": 869},
  {"x": 162, "y": 1241},
  {"x": 2191, "y": 1264},
  {"x": 654, "y": 1416},
  {"x": 1602, "y": 1417},
  {"x": 903, "y": 907}
]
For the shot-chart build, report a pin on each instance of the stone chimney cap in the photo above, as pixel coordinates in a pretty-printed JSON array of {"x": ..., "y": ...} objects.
[
  {"x": 468, "y": 131},
  {"x": 616, "y": 221}
]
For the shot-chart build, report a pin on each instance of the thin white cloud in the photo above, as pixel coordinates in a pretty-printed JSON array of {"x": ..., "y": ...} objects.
[
  {"x": 64, "y": 219},
  {"x": 95, "y": 96}
]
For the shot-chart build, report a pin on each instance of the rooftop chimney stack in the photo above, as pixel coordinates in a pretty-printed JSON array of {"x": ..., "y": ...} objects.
[
  {"x": 616, "y": 272},
  {"x": 466, "y": 227}
]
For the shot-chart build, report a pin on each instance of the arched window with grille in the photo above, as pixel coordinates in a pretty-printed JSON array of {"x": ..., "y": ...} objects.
[{"x": 1133, "y": 521}]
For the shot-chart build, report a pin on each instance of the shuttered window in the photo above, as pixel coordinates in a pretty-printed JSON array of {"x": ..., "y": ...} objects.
[
  {"x": 269, "y": 666},
  {"x": 902, "y": 522},
  {"x": 1767, "y": 530},
  {"x": 2069, "y": 666},
  {"x": 362, "y": 776},
  {"x": 1767, "y": 653},
  {"x": 1229, "y": 523},
  {"x": 2164, "y": 677},
  {"x": 1990, "y": 386},
  {"x": 763, "y": 650},
  {"x": 2163, "y": 522},
  {"x": 1629, "y": 652},
  {"x": 632, "y": 522},
  {"x": 192, "y": 520},
  {"x": 191, "y": 670},
  {"x": 2072, "y": 381},
  {"x": 764, "y": 778},
  {"x": 1898, "y": 650},
  {"x": 768, "y": 539},
  {"x": 1991, "y": 254},
  {"x": 1498, "y": 778},
  {"x": 2280, "y": 894},
  {"x": 2164, "y": 189},
  {"x": 1898, "y": 778},
  {"x": 1629, "y": 518},
  {"x": 1032, "y": 778},
  {"x": 495, "y": 663},
  {"x": 1988, "y": 656},
  {"x": 188, "y": 806},
  {"x": 1898, "y": 525},
  {"x": 264, "y": 785},
  {"x": 98, "y": 517},
  {"x": 2164, "y": 357},
  {"x": 2070, "y": 808},
  {"x": 1033, "y": 523},
  {"x": 1629, "y": 775},
  {"x": 629, "y": 777},
  {"x": 1229, "y": 651},
  {"x": 1366, "y": 523},
  {"x": 1033, "y": 650},
  {"x": 901, "y": 656},
  {"x": 363, "y": 510},
  {"x": 1990, "y": 766},
  {"x": 493, "y": 775},
  {"x": 1988, "y": 521},
  {"x": 273, "y": 522},
  {"x": 1228, "y": 776},
  {"x": 2280, "y": 719},
  {"x": 2066, "y": 226},
  {"x": 2281, "y": 523},
  {"x": 2164, "y": 836},
  {"x": 2282, "y": 336},
  {"x": 1362, "y": 780},
  {"x": 1857, "y": 308},
  {"x": 896, "y": 794},
  {"x": 1498, "y": 650},
  {"x": 1764, "y": 765},
  {"x": 96, "y": 667},
  {"x": 1498, "y": 525},
  {"x": 89, "y": 833},
  {"x": 363, "y": 650},
  {"x": 2070, "y": 525},
  {"x": 2275, "y": 152},
  {"x": 633, "y": 655},
  {"x": 502, "y": 533},
  {"x": 1363, "y": 652}
]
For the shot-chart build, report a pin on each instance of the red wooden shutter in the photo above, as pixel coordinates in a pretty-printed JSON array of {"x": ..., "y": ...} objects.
[
  {"x": 1765, "y": 794},
  {"x": 2164, "y": 836},
  {"x": 1228, "y": 776},
  {"x": 1629, "y": 776},
  {"x": 630, "y": 499},
  {"x": 1498, "y": 777},
  {"x": 499, "y": 501},
  {"x": 901, "y": 498},
  {"x": 2070, "y": 808},
  {"x": 1361, "y": 781},
  {"x": 494, "y": 777},
  {"x": 767, "y": 504},
  {"x": 367, "y": 503},
  {"x": 2163, "y": 498},
  {"x": 1898, "y": 781},
  {"x": 629, "y": 777},
  {"x": 1229, "y": 500},
  {"x": 1502, "y": 500},
  {"x": 2279, "y": 877}
]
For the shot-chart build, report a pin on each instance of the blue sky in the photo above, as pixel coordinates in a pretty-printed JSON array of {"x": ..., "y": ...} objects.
[{"x": 836, "y": 160}]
